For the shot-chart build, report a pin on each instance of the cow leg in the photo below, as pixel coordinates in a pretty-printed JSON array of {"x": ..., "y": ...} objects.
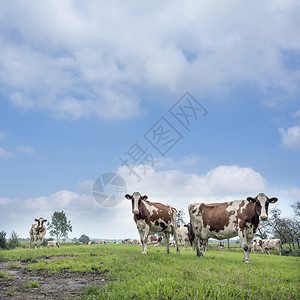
[
  {"x": 198, "y": 246},
  {"x": 176, "y": 238},
  {"x": 146, "y": 234},
  {"x": 167, "y": 237},
  {"x": 29, "y": 245},
  {"x": 142, "y": 240},
  {"x": 246, "y": 244}
]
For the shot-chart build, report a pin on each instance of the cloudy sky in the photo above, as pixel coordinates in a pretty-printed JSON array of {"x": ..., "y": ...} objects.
[{"x": 187, "y": 102}]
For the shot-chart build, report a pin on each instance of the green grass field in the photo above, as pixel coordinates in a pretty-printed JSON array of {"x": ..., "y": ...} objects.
[{"x": 130, "y": 275}]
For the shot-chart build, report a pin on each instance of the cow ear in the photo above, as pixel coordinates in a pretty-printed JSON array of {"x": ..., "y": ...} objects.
[
  {"x": 45, "y": 220},
  {"x": 36, "y": 220},
  {"x": 144, "y": 197},
  {"x": 127, "y": 196},
  {"x": 273, "y": 200},
  {"x": 251, "y": 200}
]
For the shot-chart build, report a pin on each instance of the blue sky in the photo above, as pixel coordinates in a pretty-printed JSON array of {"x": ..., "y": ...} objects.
[{"x": 80, "y": 84}]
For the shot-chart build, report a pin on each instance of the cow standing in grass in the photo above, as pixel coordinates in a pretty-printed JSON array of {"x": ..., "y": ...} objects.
[
  {"x": 271, "y": 244},
  {"x": 154, "y": 217},
  {"x": 53, "y": 244},
  {"x": 37, "y": 232},
  {"x": 229, "y": 219}
]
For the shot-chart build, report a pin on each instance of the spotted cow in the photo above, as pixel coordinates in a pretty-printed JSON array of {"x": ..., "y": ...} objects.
[
  {"x": 229, "y": 219},
  {"x": 221, "y": 246},
  {"x": 154, "y": 217},
  {"x": 154, "y": 240},
  {"x": 37, "y": 232},
  {"x": 257, "y": 246},
  {"x": 271, "y": 244}
]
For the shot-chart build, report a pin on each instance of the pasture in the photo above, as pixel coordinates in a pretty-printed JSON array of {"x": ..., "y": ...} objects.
[{"x": 122, "y": 272}]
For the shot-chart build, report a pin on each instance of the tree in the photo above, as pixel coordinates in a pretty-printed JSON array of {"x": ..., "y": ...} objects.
[
  {"x": 84, "y": 239},
  {"x": 13, "y": 241},
  {"x": 3, "y": 244},
  {"x": 179, "y": 218},
  {"x": 59, "y": 225},
  {"x": 263, "y": 230}
]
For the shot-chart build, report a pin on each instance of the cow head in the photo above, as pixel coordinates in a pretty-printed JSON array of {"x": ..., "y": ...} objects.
[
  {"x": 136, "y": 199},
  {"x": 40, "y": 222},
  {"x": 261, "y": 205}
]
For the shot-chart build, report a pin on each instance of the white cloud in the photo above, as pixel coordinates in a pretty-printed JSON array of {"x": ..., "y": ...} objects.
[
  {"x": 290, "y": 138},
  {"x": 174, "y": 187},
  {"x": 69, "y": 58},
  {"x": 5, "y": 154},
  {"x": 5, "y": 201},
  {"x": 180, "y": 189},
  {"x": 25, "y": 149},
  {"x": 86, "y": 186}
]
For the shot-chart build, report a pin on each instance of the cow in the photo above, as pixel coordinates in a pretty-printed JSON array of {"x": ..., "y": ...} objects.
[
  {"x": 191, "y": 235},
  {"x": 221, "y": 246},
  {"x": 229, "y": 219},
  {"x": 154, "y": 217},
  {"x": 183, "y": 235},
  {"x": 154, "y": 240},
  {"x": 91, "y": 242},
  {"x": 257, "y": 246},
  {"x": 53, "y": 244},
  {"x": 37, "y": 232},
  {"x": 101, "y": 242},
  {"x": 172, "y": 244},
  {"x": 272, "y": 244}
]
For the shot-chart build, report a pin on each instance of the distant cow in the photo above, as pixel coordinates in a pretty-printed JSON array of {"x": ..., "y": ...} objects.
[
  {"x": 191, "y": 235},
  {"x": 183, "y": 235},
  {"x": 221, "y": 246},
  {"x": 37, "y": 232},
  {"x": 91, "y": 242},
  {"x": 154, "y": 240},
  {"x": 272, "y": 244},
  {"x": 229, "y": 219},
  {"x": 101, "y": 242},
  {"x": 257, "y": 246},
  {"x": 53, "y": 244},
  {"x": 154, "y": 217}
]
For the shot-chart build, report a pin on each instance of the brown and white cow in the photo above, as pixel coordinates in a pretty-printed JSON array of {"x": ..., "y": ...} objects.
[
  {"x": 257, "y": 246},
  {"x": 53, "y": 244},
  {"x": 271, "y": 244},
  {"x": 154, "y": 217},
  {"x": 154, "y": 240},
  {"x": 221, "y": 246},
  {"x": 229, "y": 219},
  {"x": 37, "y": 232}
]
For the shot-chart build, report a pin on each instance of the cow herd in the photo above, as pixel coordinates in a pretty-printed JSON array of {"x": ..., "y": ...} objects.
[{"x": 218, "y": 220}]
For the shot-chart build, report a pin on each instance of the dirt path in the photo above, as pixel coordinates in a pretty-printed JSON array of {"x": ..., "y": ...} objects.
[{"x": 61, "y": 285}]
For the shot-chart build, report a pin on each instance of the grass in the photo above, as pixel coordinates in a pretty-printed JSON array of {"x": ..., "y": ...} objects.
[
  {"x": 31, "y": 284},
  {"x": 130, "y": 275}
]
